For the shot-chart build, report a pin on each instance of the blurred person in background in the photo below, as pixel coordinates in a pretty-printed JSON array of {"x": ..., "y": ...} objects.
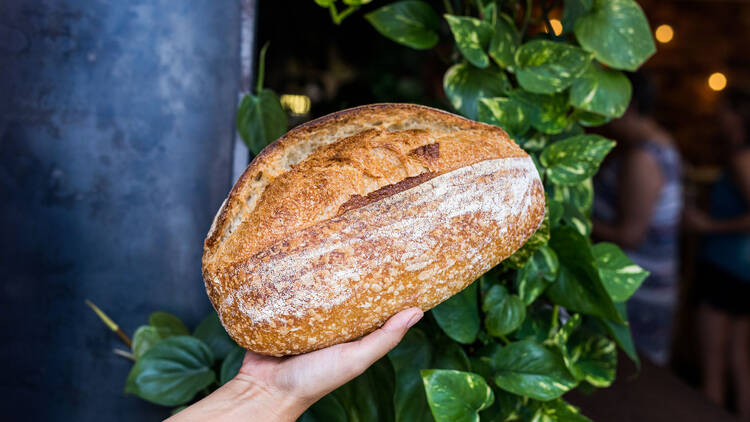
[
  {"x": 723, "y": 274},
  {"x": 638, "y": 206}
]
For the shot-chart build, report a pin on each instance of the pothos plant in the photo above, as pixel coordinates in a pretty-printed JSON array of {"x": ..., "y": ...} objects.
[{"x": 545, "y": 321}]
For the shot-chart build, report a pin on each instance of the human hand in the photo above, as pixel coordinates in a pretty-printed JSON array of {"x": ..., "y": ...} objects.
[{"x": 280, "y": 389}]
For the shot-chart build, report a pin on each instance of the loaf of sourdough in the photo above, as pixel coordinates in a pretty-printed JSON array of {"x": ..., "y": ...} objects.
[{"x": 350, "y": 218}]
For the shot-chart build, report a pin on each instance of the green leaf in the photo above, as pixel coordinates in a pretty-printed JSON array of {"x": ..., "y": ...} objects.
[
  {"x": 488, "y": 13},
  {"x": 356, "y": 2},
  {"x": 232, "y": 364},
  {"x": 411, "y": 23},
  {"x": 456, "y": 396},
  {"x": 586, "y": 119},
  {"x": 505, "y": 312},
  {"x": 504, "y": 42},
  {"x": 459, "y": 315},
  {"x": 413, "y": 354},
  {"x": 212, "y": 333},
  {"x": 547, "y": 113},
  {"x": 172, "y": 371},
  {"x": 593, "y": 358},
  {"x": 557, "y": 411},
  {"x": 536, "y": 326},
  {"x": 617, "y": 32},
  {"x": 472, "y": 37},
  {"x": 145, "y": 338},
  {"x": 563, "y": 334},
  {"x": 507, "y": 113},
  {"x": 535, "y": 276},
  {"x": 603, "y": 91},
  {"x": 620, "y": 275},
  {"x": 578, "y": 286},
  {"x": 575, "y": 218},
  {"x": 575, "y": 159},
  {"x": 536, "y": 241},
  {"x": 529, "y": 369},
  {"x": 572, "y": 11},
  {"x": 327, "y": 409},
  {"x": 260, "y": 120},
  {"x": 621, "y": 333},
  {"x": 167, "y": 324},
  {"x": 580, "y": 195},
  {"x": 464, "y": 85},
  {"x": 547, "y": 67},
  {"x": 325, "y": 3}
]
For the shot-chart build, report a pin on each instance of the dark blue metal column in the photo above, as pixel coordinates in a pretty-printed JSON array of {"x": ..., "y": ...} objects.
[{"x": 116, "y": 132}]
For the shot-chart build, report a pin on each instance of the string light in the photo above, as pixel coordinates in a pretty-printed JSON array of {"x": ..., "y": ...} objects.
[
  {"x": 296, "y": 104},
  {"x": 664, "y": 33},
  {"x": 556, "y": 26},
  {"x": 717, "y": 81}
]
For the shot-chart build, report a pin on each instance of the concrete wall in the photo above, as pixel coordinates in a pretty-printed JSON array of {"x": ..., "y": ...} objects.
[{"x": 116, "y": 131}]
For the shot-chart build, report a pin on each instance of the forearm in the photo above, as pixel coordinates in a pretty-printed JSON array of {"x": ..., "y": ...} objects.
[
  {"x": 738, "y": 224},
  {"x": 239, "y": 400},
  {"x": 623, "y": 235}
]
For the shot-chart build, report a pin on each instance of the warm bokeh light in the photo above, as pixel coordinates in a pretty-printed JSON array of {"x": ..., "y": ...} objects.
[
  {"x": 717, "y": 81},
  {"x": 556, "y": 26},
  {"x": 296, "y": 104},
  {"x": 664, "y": 34}
]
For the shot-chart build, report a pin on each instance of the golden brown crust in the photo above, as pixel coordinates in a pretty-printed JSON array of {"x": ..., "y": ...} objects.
[{"x": 274, "y": 263}]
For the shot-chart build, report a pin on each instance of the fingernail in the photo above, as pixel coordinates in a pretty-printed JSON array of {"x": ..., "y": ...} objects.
[{"x": 414, "y": 319}]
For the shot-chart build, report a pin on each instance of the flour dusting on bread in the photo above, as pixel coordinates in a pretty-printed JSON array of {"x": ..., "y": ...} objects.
[{"x": 353, "y": 217}]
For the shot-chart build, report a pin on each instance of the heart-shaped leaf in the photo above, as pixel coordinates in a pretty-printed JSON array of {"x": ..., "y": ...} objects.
[
  {"x": 507, "y": 113},
  {"x": 213, "y": 334},
  {"x": 232, "y": 364},
  {"x": 504, "y": 43},
  {"x": 575, "y": 159},
  {"x": 530, "y": 369},
  {"x": 547, "y": 113},
  {"x": 456, "y": 396},
  {"x": 459, "y": 315},
  {"x": 573, "y": 10},
  {"x": 145, "y": 338},
  {"x": 505, "y": 312},
  {"x": 621, "y": 277},
  {"x": 547, "y": 67},
  {"x": 472, "y": 37},
  {"x": 602, "y": 91},
  {"x": 537, "y": 274},
  {"x": 617, "y": 32},
  {"x": 464, "y": 85},
  {"x": 172, "y": 371},
  {"x": 578, "y": 286},
  {"x": 412, "y": 23},
  {"x": 260, "y": 119}
]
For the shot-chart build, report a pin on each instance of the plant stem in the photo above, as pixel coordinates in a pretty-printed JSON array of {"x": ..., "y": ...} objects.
[
  {"x": 526, "y": 17},
  {"x": 261, "y": 68},
  {"x": 123, "y": 353},
  {"x": 555, "y": 319},
  {"x": 448, "y": 6},
  {"x": 109, "y": 323},
  {"x": 505, "y": 340},
  {"x": 346, "y": 13}
]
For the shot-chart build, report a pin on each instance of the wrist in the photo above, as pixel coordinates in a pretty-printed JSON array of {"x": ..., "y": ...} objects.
[{"x": 260, "y": 402}]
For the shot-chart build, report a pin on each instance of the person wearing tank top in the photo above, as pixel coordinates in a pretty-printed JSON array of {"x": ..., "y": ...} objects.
[
  {"x": 638, "y": 206},
  {"x": 723, "y": 264}
]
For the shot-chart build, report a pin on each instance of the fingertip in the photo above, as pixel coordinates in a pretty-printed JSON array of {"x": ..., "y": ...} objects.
[{"x": 416, "y": 315}]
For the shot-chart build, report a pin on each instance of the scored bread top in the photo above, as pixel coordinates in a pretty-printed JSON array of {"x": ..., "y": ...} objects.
[{"x": 339, "y": 162}]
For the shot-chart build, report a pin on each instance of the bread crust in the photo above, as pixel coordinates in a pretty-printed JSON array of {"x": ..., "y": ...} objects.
[{"x": 350, "y": 218}]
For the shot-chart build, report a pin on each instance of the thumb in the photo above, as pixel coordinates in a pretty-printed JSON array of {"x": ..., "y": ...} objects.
[{"x": 365, "y": 351}]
